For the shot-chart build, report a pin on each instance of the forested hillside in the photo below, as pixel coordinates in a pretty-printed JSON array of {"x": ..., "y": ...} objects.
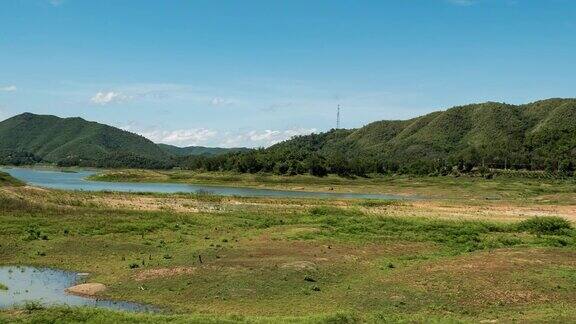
[
  {"x": 29, "y": 138},
  {"x": 199, "y": 150},
  {"x": 536, "y": 136}
]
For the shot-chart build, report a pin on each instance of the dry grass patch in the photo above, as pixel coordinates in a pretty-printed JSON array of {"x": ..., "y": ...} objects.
[
  {"x": 280, "y": 253},
  {"x": 150, "y": 274},
  {"x": 497, "y": 278},
  {"x": 493, "y": 211}
]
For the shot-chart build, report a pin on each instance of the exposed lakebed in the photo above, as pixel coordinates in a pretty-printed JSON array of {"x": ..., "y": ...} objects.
[
  {"x": 47, "y": 287},
  {"x": 77, "y": 181}
]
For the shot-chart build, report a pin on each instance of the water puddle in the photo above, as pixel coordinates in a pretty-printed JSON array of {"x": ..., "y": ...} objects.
[{"x": 47, "y": 287}]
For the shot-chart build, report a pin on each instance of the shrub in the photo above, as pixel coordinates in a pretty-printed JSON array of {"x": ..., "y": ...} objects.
[
  {"x": 320, "y": 211},
  {"x": 134, "y": 265},
  {"x": 309, "y": 278},
  {"x": 545, "y": 225},
  {"x": 32, "y": 305},
  {"x": 33, "y": 234}
]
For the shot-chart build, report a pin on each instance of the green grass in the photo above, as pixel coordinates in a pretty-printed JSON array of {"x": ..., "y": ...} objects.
[
  {"x": 546, "y": 225},
  {"x": 3, "y": 286},
  {"x": 290, "y": 260},
  {"x": 75, "y": 315},
  {"x": 560, "y": 313},
  {"x": 7, "y": 180}
]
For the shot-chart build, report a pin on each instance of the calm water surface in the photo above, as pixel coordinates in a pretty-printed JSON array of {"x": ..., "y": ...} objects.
[
  {"x": 77, "y": 181},
  {"x": 46, "y": 286}
]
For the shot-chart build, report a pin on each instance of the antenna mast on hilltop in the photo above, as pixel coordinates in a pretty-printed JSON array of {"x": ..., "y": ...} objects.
[{"x": 338, "y": 118}]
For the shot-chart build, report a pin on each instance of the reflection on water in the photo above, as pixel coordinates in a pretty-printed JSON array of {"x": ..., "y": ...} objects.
[
  {"x": 46, "y": 286},
  {"x": 77, "y": 181}
]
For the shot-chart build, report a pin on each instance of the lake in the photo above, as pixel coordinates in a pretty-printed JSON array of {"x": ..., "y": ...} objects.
[
  {"x": 47, "y": 287},
  {"x": 77, "y": 181}
]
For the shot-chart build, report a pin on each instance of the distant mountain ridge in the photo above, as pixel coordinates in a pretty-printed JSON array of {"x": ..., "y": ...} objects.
[
  {"x": 535, "y": 133},
  {"x": 199, "y": 150},
  {"x": 29, "y": 138},
  {"x": 539, "y": 135}
]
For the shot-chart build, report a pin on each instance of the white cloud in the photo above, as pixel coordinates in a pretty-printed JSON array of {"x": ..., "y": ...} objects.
[
  {"x": 217, "y": 101},
  {"x": 153, "y": 93},
  {"x": 262, "y": 138},
  {"x": 104, "y": 98},
  {"x": 181, "y": 137},
  {"x": 214, "y": 138},
  {"x": 9, "y": 88}
]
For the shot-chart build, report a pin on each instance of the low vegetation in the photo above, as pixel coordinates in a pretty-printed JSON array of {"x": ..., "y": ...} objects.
[
  {"x": 546, "y": 225},
  {"x": 201, "y": 258},
  {"x": 198, "y": 150},
  {"x": 7, "y": 180}
]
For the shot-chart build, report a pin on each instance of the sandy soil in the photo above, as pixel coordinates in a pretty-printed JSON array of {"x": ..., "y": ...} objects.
[
  {"x": 501, "y": 211},
  {"x": 87, "y": 289},
  {"x": 494, "y": 211}
]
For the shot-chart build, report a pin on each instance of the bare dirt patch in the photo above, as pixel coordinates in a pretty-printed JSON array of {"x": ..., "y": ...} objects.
[
  {"x": 163, "y": 273},
  {"x": 299, "y": 265},
  {"x": 32, "y": 188},
  {"x": 149, "y": 203},
  {"x": 497, "y": 211},
  {"x": 87, "y": 289}
]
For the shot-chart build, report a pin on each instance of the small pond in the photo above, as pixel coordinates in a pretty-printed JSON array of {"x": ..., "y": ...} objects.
[{"x": 47, "y": 287}]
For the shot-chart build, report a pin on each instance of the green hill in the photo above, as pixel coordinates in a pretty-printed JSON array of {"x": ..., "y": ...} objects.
[
  {"x": 75, "y": 141},
  {"x": 199, "y": 150},
  {"x": 535, "y": 136},
  {"x": 539, "y": 135}
]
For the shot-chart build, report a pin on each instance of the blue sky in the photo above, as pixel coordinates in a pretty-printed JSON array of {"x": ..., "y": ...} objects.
[{"x": 254, "y": 72}]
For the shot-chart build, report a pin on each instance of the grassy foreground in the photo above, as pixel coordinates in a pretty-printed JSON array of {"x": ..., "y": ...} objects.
[{"x": 202, "y": 258}]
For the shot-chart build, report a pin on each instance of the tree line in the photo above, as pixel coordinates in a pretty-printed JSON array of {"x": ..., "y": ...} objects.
[{"x": 305, "y": 161}]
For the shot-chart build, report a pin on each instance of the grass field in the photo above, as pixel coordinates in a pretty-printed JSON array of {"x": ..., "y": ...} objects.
[{"x": 473, "y": 250}]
